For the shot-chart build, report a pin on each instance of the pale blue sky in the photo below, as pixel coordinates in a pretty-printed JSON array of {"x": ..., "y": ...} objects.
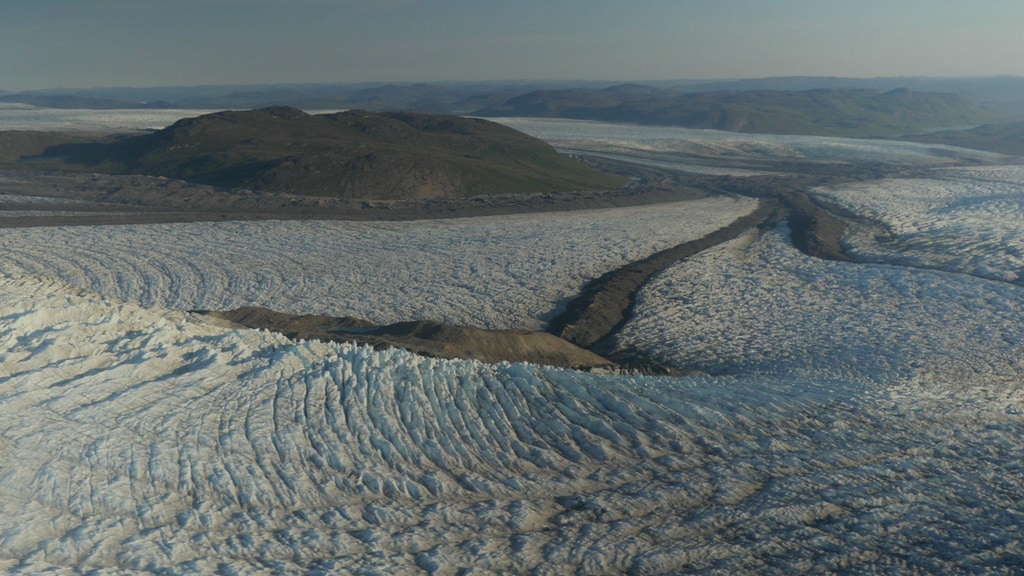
[{"x": 86, "y": 43}]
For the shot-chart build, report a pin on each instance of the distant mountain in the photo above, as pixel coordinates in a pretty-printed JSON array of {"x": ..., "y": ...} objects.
[
  {"x": 1003, "y": 93},
  {"x": 420, "y": 97},
  {"x": 851, "y": 112},
  {"x": 355, "y": 154},
  {"x": 797, "y": 104},
  {"x": 632, "y": 90}
]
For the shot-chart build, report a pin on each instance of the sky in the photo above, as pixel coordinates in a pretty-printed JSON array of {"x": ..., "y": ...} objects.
[{"x": 97, "y": 43}]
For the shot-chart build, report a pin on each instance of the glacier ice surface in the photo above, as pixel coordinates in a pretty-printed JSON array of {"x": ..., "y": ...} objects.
[
  {"x": 757, "y": 306},
  {"x": 53, "y": 119},
  {"x": 490, "y": 272},
  {"x": 966, "y": 220},
  {"x": 659, "y": 142},
  {"x": 141, "y": 439}
]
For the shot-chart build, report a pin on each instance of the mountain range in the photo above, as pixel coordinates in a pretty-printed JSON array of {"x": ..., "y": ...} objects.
[
  {"x": 826, "y": 112},
  {"x": 879, "y": 107}
]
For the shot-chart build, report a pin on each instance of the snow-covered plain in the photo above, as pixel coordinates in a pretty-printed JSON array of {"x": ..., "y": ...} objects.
[
  {"x": 968, "y": 220},
  {"x": 148, "y": 440},
  {"x": 491, "y": 272}
]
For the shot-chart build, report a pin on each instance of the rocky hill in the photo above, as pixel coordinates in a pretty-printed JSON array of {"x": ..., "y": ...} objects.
[{"x": 354, "y": 154}]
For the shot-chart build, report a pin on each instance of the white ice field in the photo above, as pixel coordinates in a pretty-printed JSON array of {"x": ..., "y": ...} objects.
[
  {"x": 968, "y": 220},
  {"x": 757, "y": 306},
  {"x": 491, "y": 272},
  {"x": 858, "y": 418},
  {"x": 139, "y": 439},
  {"x": 662, "y": 144},
  {"x": 22, "y": 117}
]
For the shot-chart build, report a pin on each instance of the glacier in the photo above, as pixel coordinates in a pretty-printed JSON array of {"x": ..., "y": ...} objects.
[
  {"x": 511, "y": 271},
  {"x": 75, "y": 120},
  {"x": 667, "y": 144},
  {"x": 963, "y": 220},
  {"x": 854, "y": 418},
  {"x": 143, "y": 439},
  {"x": 756, "y": 306}
]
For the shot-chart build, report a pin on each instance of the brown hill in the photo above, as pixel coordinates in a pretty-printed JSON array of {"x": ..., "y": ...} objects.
[{"x": 354, "y": 154}]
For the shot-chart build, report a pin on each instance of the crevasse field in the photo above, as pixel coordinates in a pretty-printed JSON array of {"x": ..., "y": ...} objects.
[
  {"x": 757, "y": 306},
  {"x": 856, "y": 418}
]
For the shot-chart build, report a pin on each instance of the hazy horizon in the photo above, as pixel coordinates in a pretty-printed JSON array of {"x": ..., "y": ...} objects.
[
  {"x": 497, "y": 81},
  {"x": 108, "y": 43}
]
